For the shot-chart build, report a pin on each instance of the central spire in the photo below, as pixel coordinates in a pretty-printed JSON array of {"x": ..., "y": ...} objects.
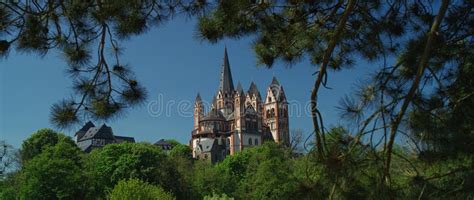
[{"x": 226, "y": 83}]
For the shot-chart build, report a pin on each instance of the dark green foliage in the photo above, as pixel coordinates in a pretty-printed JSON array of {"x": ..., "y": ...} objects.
[
  {"x": 181, "y": 151},
  {"x": 77, "y": 55},
  {"x": 63, "y": 113},
  {"x": 41, "y": 140},
  {"x": 132, "y": 170},
  {"x": 143, "y": 161},
  {"x": 123, "y": 161},
  {"x": 34, "y": 37},
  {"x": 207, "y": 180},
  {"x": 268, "y": 174},
  {"x": 218, "y": 197},
  {"x": 56, "y": 173},
  {"x": 180, "y": 159},
  {"x": 263, "y": 172},
  {"x": 138, "y": 189},
  {"x": 4, "y": 47},
  {"x": 291, "y": 30},
  {"x": 9, "y": 186}
]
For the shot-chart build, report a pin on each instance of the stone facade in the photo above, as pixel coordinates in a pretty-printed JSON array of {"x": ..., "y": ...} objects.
[{"x": 239, "y": 119}]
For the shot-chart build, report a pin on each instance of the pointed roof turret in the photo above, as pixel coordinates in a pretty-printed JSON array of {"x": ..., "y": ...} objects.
[
  {"x": 84, "y": 129},
  {"x": 275, "y": 81},
  {"x": 198, "y": 97},
  {"x": 253, "y": 90},
  {"x": 239, "y": 89},
  {"x": 226, "y": 83},
  {"x": 276, "y": 89}
]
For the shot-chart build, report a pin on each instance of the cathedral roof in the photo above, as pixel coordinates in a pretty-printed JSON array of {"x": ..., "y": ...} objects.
[
  {"x": 226, "y": 83},
  {"x": 214, "y": 115},
  {"x": 206, "y": 144},
  {"x": 103, "y": 132},
  {"x": 239, "y": 89},
  {"x": 85, "y": 128},
  {"x": 253, "y": 90}
]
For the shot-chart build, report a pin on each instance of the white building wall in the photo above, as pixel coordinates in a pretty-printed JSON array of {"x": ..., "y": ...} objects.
[{"x": 252, "y": 137}]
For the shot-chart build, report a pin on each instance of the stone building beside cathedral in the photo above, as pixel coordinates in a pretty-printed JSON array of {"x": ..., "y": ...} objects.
[{"x": 237, "y": 120}]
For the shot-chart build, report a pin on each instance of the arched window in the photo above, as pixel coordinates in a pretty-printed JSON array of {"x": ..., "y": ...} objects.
[
  {"x": 269, "y": 99},
  {"x": 272, "y": 113},
  {"x": 250, "y": 141},
  {"x": 256, "y": 141},
  {"x": 268, "y": 114}
]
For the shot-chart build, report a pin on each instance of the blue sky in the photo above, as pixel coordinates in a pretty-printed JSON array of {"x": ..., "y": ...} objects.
[{"x": 167, "y": 60}]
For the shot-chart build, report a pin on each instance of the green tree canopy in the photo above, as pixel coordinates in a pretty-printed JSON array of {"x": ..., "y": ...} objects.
[
  {"x": 180, "y": 158},
  {"x": 218, "y": 197},
  {"x": 39, "y": 141},
  {"x": 143, "y": 161},
  {"x": 181, "y": 150},
  {"x": 56, "y": 173},
  {"x": 136, "y": 189},
  {"x": 268, "y": 174}
]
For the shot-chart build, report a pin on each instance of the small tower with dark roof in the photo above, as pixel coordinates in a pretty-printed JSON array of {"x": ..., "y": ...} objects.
[
  {"x": 254, "y": 97},
  {"x": 275, "y": 112},
  {"x": 198, "y": 111}
]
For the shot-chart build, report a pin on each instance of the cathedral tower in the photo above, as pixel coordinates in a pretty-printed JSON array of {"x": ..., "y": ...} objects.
[
  {"x": 276, "y": 112},
  {"x": 198, "y": 111},
  {"x": 235, "y": 141},
  {"x": 254, "y": 101}
]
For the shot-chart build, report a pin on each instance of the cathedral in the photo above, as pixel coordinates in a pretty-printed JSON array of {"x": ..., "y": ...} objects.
[{"x": 237, "y": 120}]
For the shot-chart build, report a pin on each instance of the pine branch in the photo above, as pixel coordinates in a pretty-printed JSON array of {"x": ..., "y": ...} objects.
[
  {"x": 322, "y": 74},
  {"x": 414, "y": 87}
]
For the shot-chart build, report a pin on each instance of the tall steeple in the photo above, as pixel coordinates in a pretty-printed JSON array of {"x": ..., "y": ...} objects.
[
  {"x": 198, "y": 98},
  {"x": 275, "y": 81},
  {"x": 226, "y": 83}
]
